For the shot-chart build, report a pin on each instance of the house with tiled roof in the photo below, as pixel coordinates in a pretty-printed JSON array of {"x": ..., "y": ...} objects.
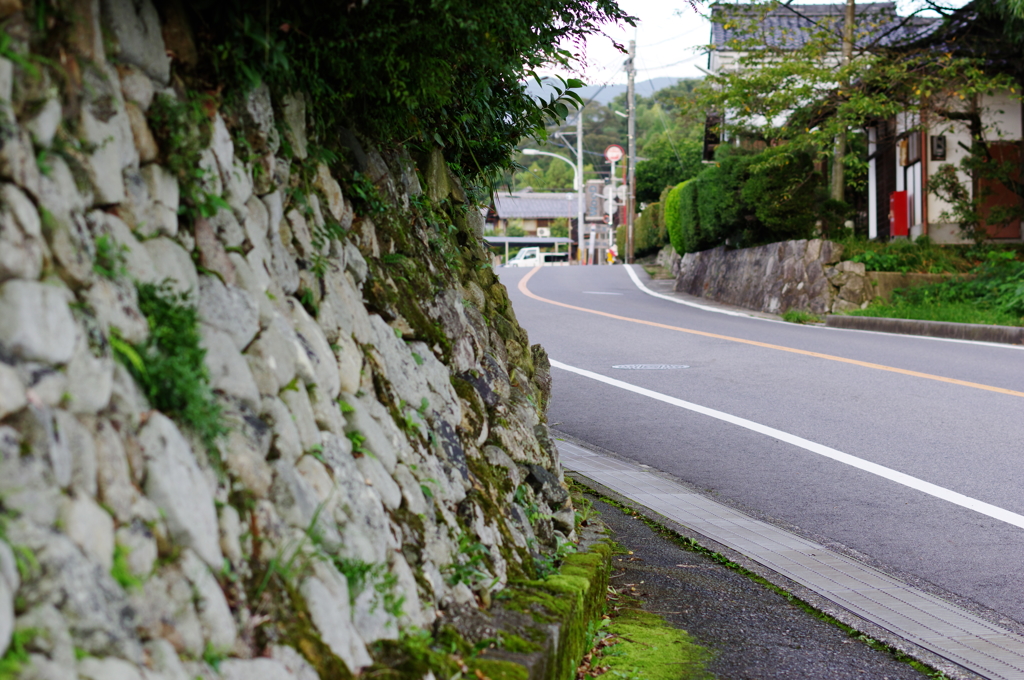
[
  {"x": 531, "y": 209},
  {"x": 903, "y": 151},
  {"x": 792, "y": 26}
]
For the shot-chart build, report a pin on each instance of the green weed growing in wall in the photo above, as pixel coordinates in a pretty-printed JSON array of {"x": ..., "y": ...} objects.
[
  {"x": 182, "y": 128},
  {"x": 16, "y": 657},
  {"x": 169, "y": 364},
  {"x": 110, "y": 261}
]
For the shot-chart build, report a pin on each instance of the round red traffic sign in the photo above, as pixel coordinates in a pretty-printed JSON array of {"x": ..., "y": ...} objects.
[{"x": 614, "y": 153}]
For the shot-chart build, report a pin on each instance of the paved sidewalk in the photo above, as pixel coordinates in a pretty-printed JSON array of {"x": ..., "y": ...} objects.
[{"x": 937, "y": 629}]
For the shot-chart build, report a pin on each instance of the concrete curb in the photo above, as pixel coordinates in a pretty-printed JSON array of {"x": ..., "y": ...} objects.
[
  {"x": 1010, "y": 335},
  {"x": 939, "y": 632}
]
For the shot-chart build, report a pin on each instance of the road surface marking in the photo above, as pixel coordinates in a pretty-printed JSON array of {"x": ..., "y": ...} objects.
[
  {"x": 706, "y": 308},
  {"x": 818, "y": 355},
  {"x": 820, "y": 449}
]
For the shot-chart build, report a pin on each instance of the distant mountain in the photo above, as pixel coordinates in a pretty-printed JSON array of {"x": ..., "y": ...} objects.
[{"x": 605, "y": 93}]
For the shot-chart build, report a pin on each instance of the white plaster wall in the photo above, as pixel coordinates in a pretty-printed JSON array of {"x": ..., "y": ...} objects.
[
  {"x": 1001, "y": 114},
  {"x": 956, "y": 134},
  {"x": 1002, "y": 118}
]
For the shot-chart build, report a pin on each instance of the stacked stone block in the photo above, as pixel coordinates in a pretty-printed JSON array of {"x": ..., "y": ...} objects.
[{"x": 126, "y": 550}]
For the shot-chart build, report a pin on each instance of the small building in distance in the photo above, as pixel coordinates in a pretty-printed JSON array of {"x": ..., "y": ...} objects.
[{"x": 531, "y": 210}]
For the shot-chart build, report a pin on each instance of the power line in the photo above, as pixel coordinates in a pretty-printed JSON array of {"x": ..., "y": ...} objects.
[{"x": 676, "y": 63}]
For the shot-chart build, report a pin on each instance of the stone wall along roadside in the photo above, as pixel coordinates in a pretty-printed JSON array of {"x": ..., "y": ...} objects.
[
  {"x": 884, "y": 283},
  {"x": 806, "y": 275},
  {"x": 384, "y": 458}
]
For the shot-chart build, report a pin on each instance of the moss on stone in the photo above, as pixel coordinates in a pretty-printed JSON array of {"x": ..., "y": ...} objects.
[
  {"x": 498, "y": 670},
  {"x": 293, "y": 626},
  {"x": 574, "y": 597},
  {"x": 495, "y": 485},
  {"x": 465, "y": 390},
  {"x": 411, "y": 657},
  {"x": 519, "y": 645}
]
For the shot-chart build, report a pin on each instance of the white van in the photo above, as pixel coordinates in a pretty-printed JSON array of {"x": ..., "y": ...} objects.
[{"x": 532, "y": 257}]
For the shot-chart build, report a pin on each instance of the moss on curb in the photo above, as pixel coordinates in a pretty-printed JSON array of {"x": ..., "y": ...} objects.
[
  {"x": 498, "y": 670},
  {"x": 573, "y": 598},
  {"x": 692, "y": 545}
]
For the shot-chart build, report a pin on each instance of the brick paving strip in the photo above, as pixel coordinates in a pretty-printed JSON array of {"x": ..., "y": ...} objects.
[{"x": 923, "y": 619}]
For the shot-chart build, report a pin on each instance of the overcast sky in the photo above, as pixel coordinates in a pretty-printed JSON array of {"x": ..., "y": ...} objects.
[{"x": 669, "y": 37}]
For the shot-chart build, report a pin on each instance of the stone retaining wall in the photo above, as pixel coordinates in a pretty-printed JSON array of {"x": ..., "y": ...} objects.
[
  {"x": 805, "y": 275},
  {"x": 884, "y": 283},
  {"x": 386, "y": 459}
]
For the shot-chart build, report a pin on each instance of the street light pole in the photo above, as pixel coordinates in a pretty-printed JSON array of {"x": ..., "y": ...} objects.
[
  {"x": 578, "y": 171},
  {"x": 578, "y": 168},
  {"x": 575, "y": 170},
  {"x": 631, "y": 182},
  {"x": 579, "y": 187}
]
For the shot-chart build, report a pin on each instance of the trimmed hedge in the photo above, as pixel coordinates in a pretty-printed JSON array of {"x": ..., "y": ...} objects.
[
  {"x": 689, "y": 218},
  {"x": 723, "y": 214},
  {"x": 646, "y": 230},
  {"x": 785, "y": 193},
  {"x": 649, "y": 232},
  {"x": 747, "y": 199},
  {"x": 673, "y": 218}
]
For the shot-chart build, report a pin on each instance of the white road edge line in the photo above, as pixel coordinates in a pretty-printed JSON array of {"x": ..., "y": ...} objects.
[
  {"x": 820, "y": 449},
  {"x": 639, "y": 284}
]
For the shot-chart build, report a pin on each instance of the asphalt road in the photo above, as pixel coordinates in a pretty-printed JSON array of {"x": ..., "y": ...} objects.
[{"x": 963, "y": 438}]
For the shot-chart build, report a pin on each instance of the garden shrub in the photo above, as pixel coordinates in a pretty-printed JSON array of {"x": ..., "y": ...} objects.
[
  {"x": 673, "y": 218},
  {"x": 721, "y": 209},
  {"x": 649, "y": 233},
  {"x": 784, "y": 192},
  {"x": 662, "y": 234},
  {"x": 746, "y": 199},
  {"x": 920, "y": 256},
  {"x": 648, "y": 230},
  {"x": 992, "y": 293},
  {"x": 689, "y": 219},
  {"x": 641, "y": 227}
]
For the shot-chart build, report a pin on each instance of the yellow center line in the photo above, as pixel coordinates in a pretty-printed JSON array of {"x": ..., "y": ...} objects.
[{"x": 818, "y": 355}]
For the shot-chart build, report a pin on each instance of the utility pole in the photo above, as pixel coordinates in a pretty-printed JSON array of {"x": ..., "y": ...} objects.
[
  {"x": 631, "y": 181},
  {"x": 579, "y": 182},
  {"x": 838, "y": 171}
]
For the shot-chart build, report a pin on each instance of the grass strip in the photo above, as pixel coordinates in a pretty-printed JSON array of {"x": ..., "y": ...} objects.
[
  {"x": 956, "y": 312},
  {"x": 800, "y": 316}
]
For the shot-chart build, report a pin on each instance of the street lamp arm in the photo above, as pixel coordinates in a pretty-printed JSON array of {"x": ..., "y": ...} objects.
[{"x": 577, "y": 171}]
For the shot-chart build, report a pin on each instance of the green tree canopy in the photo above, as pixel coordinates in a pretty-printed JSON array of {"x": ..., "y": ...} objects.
[
  {"x": 448, "y": 74},
  {"x": 785, "y": 87}
]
